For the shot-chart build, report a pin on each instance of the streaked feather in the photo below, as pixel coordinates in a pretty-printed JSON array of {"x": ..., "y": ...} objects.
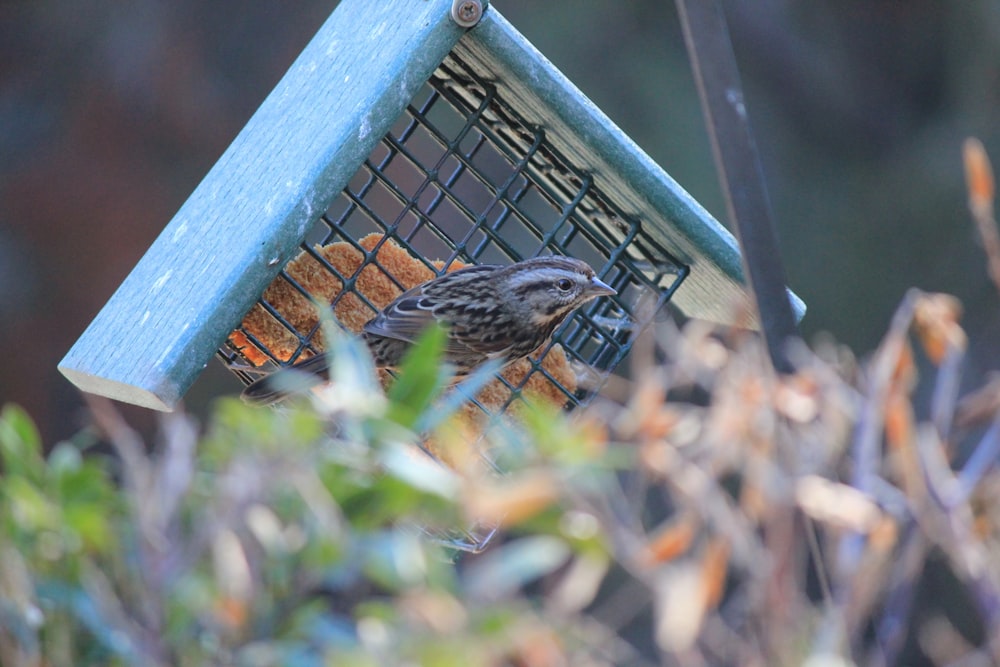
[{"x": 490, "y": 312}]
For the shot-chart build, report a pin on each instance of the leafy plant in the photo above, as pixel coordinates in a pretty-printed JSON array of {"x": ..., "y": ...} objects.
[{"x": 719, "y": 514}]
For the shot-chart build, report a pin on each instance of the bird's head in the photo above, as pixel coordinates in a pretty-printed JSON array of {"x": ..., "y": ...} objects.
[{"x": 549, "y": 288}]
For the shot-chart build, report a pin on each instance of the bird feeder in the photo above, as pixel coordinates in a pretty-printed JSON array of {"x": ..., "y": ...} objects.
[{"x": 407, "y": 138}]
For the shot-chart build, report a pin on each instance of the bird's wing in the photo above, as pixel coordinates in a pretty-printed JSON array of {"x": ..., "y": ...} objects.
[
  {"x": 469, "y": 342},
  {"x": 404, "y": 319}
]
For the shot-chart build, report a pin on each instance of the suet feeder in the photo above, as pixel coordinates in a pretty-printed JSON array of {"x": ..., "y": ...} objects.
[{"x": 422, "y": 129}]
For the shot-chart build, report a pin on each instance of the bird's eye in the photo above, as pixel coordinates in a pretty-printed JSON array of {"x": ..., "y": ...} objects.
[{"x": 564, "y": 284}]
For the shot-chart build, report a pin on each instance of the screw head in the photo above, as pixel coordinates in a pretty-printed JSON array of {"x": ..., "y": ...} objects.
[{"x": 466, "y": 13}]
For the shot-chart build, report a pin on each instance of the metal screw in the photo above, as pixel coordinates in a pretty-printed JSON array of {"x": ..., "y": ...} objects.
[{"x": 466, "y": 13}]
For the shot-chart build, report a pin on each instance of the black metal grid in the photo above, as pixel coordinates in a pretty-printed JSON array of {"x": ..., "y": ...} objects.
[{"x": 463, "y": 175}]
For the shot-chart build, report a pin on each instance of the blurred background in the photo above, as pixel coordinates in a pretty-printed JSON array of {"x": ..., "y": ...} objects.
[{"x": 111, "y": 113}]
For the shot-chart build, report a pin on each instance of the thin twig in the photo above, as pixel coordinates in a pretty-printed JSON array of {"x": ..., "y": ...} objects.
[
  {"x": 983, "y": 458},
  {"x": 979, "y": 179}
]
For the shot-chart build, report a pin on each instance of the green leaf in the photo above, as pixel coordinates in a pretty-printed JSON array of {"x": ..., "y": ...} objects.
[
  {"x": 29, "y": 507},
  {"x": 90, "y": 615},
  {"x": 387, "y": 499},
  {"x": 351, "y": 364},
  {"x": 413, "y": 466},
  {"x": 395, "y": 559},
  {"x": 558, "y": 437},
  {"x": 64, "y": 459},
  {"x": 451, "y": 652},
  {"x": 238, "y": 428},
  {"x": 358, "y": 657},
  {"x": 90, "y": 522},
  {"x": 462, "y": 393},
  {"x": 422, "y": 376},
  {"x": 312, "y": 620},
  {"x": 503, "y": 571},
  {"x": 20, "y": 444}
]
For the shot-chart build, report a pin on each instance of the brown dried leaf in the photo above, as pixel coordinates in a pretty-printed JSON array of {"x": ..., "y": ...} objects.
[
  {"x": 836, "y": 504},
  {"x": 899, "y": 420},
  {"x": 978, "y": 174},
  {"x": 714, "y": 568},
  {"x": 670, "y": 541},
  {"x": 644, "y": 416},
  {"x": 538, "y": 646},
  {"x": 511, "y": 500},
  {"x": 935, "y": 322},
  {"x": 797, "y": 398},
  {"x": 884, "y": 535}
]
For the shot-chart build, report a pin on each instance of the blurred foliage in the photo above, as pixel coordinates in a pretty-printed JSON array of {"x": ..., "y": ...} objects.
[
  {"x": 717, "y": 514},
  {"x": 858, "y": 109},
  {"x": 311, "y": 535}
]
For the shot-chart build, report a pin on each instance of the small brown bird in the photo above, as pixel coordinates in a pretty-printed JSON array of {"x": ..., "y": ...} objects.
[{"x": 489, "y": 311}]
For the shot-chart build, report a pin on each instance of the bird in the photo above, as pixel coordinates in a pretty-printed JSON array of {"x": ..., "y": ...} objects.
[{"x": 501, "y": 312}]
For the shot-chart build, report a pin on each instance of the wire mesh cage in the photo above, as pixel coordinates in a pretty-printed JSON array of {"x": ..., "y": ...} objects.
[
  {"x": 463, "y": 177},
  {"x": 425, "y": 145},
  {"x": 488, "y": 154}
]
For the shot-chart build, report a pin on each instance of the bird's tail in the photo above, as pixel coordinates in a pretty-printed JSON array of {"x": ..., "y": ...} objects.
[{"x": 287, "y": 382}]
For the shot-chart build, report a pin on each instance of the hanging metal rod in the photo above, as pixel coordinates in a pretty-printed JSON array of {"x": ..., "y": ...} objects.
[{"x": 717, "y": 77}]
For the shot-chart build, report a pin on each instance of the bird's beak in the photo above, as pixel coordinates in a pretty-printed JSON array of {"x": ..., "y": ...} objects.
[{"x": 599, "y": 288}]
